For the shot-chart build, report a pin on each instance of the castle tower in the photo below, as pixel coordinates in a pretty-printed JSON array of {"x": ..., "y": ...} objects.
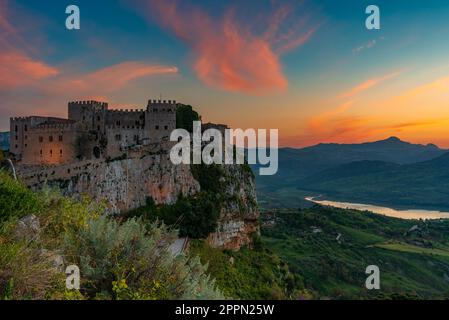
[
  {"x": 90, "y": 113},
  {"x": 160, "y": 119}
]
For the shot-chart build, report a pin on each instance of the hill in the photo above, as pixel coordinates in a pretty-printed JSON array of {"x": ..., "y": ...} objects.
[
  {"x": 288, "y": 186},
  {"x": 4, "y": 141},
  {"x": 331, "y": 248},
  {"x": 420, "y": 185}
]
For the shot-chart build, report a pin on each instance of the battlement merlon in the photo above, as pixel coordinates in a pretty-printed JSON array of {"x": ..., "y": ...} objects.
[
  {"x": 126, "y": 110},
  {"x": 89, "y": 103},
  {"x": 169, "y": 105}
]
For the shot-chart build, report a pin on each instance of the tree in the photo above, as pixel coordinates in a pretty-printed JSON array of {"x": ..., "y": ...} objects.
[{"x": 185, "y": 115}]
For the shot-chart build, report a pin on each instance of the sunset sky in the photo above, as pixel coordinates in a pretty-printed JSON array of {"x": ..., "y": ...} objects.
[{"x": 309, "y": 68}]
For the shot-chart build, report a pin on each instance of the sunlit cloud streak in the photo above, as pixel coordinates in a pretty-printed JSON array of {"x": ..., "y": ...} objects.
[{"x": 228, "y": 54}]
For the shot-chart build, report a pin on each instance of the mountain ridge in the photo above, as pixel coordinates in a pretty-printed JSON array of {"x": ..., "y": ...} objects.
[{"x": 307, "y": 169}]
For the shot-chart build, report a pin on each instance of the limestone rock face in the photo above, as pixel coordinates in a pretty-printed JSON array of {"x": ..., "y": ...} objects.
[
  {"x": 239, "y": 216},
  {"x": 126, "y": 183}
]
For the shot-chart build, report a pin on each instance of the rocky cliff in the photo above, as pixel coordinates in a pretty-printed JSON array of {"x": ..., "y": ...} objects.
[
  {"x": 238, "y": 221},
  {"x": 127, "y": 182}
]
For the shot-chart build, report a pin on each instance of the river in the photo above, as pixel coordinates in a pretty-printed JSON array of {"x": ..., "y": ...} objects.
[{"x": 403, "y": 214}]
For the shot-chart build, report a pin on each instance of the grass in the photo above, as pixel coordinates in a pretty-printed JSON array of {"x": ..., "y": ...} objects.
[
  {"x": 405, "y": 247},
  {"x": 412, "y": 264},
  {"x": 248, "y": 274}
]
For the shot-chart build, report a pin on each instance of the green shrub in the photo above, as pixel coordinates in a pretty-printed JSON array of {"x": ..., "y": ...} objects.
[
  {"x": 16, "y": 200},
  {"x": 210, "y": 177},
  {"x": 185, "y": 115},
  {"x": 194, "y": 217},
  {"x": 247, "y": 274},
  {"x": 132, "y": 261}
]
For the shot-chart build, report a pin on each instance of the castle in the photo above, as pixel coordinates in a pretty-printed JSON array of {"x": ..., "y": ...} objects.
[{"x": 92, "y": 131}]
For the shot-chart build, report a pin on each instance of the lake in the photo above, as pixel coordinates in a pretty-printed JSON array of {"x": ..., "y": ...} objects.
[{"x": 403, "y": 214}]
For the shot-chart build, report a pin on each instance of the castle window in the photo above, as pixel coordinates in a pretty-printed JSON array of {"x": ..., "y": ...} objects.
[
  {"x": 26, "y": 145},
  {"x": 60, "y": 138},
  {"x": 166, "y": 127},
  {"x": 16, "y": 128},
  {"x": 118, "y": 137},
  {"x": 118, "y": 123},
  {"x": 98, "y": 128},
  {"x": 51, "y": 153},
  {"x": 26, "y": 128},
  {"x": 26, "y": 137},
  {"x": 60, "y": 152},
  {"x": 17, "y": 146},
  {"x": 98, "y": 118},
  {"x": 50, "y": 138},
  {"x": 157, "y": 127},
  {"x": 41, "y": 152},
  {"x": 84, "y": 118},
  {"x": 17, "y": 138},
  {"x": 41, "y": 139}
]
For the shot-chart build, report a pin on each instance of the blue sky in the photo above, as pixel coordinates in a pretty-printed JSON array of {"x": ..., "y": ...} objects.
[{"x": 320, "y": 76}]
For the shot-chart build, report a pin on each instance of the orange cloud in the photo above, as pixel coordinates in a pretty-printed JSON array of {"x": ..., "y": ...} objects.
[
  {"x": 111, "y": 78},
  {"x": 366, "y": 85},
  {"x": 436, "y": 88},
  {"x": 228, "y": 55},
  {"x": 18, "y": 69}
]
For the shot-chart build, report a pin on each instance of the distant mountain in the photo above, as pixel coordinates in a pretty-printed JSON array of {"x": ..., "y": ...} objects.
[
  {"x": 296, "y": 164},
  {"x": 421, "y": 185},
  {"x": 298, "y": 168},
  {"x": 4, "y": 140}
]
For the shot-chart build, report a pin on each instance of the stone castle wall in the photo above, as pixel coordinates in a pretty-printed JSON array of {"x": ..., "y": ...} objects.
[{"x": 93, "y": 128}]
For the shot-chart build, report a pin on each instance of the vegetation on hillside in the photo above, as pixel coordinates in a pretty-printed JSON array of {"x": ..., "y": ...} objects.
[
  {"x": 250, "y": 274},
  {"x": 331, "y": 248},
  {"x": 185, "y": 115},
  {"x": 118, "y": 259}
]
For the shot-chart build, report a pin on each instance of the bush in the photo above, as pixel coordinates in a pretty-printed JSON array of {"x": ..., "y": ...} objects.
[
  {"x": 185, "y": 115},
  {"x": 131, "y": 261},
  {"x": 210, "y": 177},
  {"x": 16, "y": 200},
  {"x": 194, "y": 217}
]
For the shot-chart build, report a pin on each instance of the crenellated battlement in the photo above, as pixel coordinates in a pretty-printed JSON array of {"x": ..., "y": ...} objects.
[
  {"x": 88, "y": 103},
  {"x": 133, "y": 111},
  {"x": 161, "y": 102},
  {"x": 19, "y": 118}
]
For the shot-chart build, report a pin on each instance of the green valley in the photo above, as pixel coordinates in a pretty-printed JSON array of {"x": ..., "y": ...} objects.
[{"x": 331, "y": 248}]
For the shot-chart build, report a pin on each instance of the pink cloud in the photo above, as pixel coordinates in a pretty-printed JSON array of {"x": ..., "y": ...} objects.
[
  {"x": 18, "y": 69},
  {"x": 227, "y": 54},
  {"x": 29, "y": 85},
  {"x": 109, "y": 79},
  {"x": 367, "y": 85}
]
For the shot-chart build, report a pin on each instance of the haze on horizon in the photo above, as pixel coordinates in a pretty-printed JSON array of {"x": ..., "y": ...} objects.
[{"x": 311, "y": 70}]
